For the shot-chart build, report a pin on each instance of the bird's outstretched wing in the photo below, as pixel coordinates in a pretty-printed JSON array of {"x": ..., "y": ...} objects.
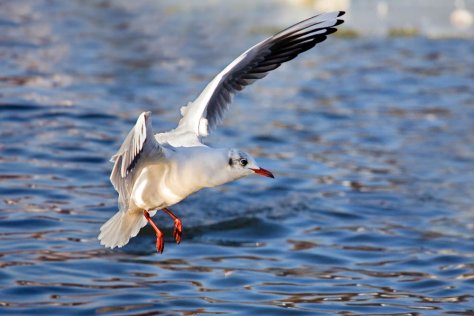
[
  {"x": 208, "y": 109},
  {"x": 139, "y": 145}
]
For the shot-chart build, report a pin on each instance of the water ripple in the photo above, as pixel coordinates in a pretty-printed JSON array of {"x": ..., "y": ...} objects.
[{"x": 370, "y": 140}]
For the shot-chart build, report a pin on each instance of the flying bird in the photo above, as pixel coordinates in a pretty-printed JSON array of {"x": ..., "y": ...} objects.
[{"x": 152, "y": 172}]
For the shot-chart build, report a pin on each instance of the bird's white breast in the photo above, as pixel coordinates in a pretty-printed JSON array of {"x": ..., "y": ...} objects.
[
  {"x": 151, "y": 189},
  {"x": 185, "y": 171}
]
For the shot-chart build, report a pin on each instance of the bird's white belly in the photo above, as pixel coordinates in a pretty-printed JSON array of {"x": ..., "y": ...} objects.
[{"x": 152, "y": 191}]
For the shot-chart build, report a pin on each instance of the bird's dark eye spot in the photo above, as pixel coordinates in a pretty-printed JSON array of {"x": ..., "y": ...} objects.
[
  {"x": 231, "y": 162},
  {"x": 243, "y": 162}
]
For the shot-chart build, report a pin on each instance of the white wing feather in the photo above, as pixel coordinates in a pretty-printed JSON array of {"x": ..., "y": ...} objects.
[
  {"x": 204, "y": 113},
  {"x": 139, "y": 144}
]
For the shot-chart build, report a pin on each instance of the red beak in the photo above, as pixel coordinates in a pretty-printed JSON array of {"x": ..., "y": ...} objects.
[{"x": 263, "y": 172}]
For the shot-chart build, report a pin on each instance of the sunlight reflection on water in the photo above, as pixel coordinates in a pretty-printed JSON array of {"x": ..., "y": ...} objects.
[{"x": 370, "y": 140}]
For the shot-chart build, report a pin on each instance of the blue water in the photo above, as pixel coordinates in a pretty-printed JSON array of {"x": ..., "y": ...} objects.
[{"x": 371, "y": 141}]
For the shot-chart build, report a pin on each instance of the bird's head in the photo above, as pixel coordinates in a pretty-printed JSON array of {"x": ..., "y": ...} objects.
[{"x": 242, "y": 164}]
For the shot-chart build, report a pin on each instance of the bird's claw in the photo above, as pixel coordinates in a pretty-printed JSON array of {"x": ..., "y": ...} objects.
[
  {"x": 160, "y": 244},
  {"x": 178, "y": 230}
]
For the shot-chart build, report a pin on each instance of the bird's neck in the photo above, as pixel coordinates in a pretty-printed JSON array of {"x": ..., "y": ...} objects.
[
  {"x": 207, "y": 168},
  {"x": 213, "y": 172}
]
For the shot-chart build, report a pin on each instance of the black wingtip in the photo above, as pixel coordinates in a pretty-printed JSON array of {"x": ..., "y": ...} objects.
[
  {"x": 338, "y": 22},
  {"x": 341, "y": 13}
]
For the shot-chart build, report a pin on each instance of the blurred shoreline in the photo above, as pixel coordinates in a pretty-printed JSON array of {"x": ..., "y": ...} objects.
[{"x": 433, "y": 19}]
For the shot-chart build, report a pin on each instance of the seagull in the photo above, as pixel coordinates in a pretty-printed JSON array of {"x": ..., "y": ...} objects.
[{"x": 152, "y": 172}]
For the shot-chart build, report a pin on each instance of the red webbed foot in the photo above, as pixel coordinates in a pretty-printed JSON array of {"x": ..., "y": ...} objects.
[
  {"x": 160, "y": 244},
  {"x": 178, "y": 226}
]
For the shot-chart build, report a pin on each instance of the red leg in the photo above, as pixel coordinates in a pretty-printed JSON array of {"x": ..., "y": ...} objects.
[
  {"x": 160, "y": 245},
  {"x": 178, "y": 227}
]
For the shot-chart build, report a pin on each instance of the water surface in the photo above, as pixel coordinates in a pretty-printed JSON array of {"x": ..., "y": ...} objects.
[{"x": 371, "y": 141}]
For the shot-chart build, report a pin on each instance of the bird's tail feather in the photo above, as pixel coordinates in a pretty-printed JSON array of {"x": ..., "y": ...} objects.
[{"x": 118, "y": 230}]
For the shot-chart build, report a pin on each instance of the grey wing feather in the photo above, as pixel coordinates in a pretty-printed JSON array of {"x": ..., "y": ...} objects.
[
  {"x": 208, "y": 109},
  {"x": 139, "y": 144}
]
